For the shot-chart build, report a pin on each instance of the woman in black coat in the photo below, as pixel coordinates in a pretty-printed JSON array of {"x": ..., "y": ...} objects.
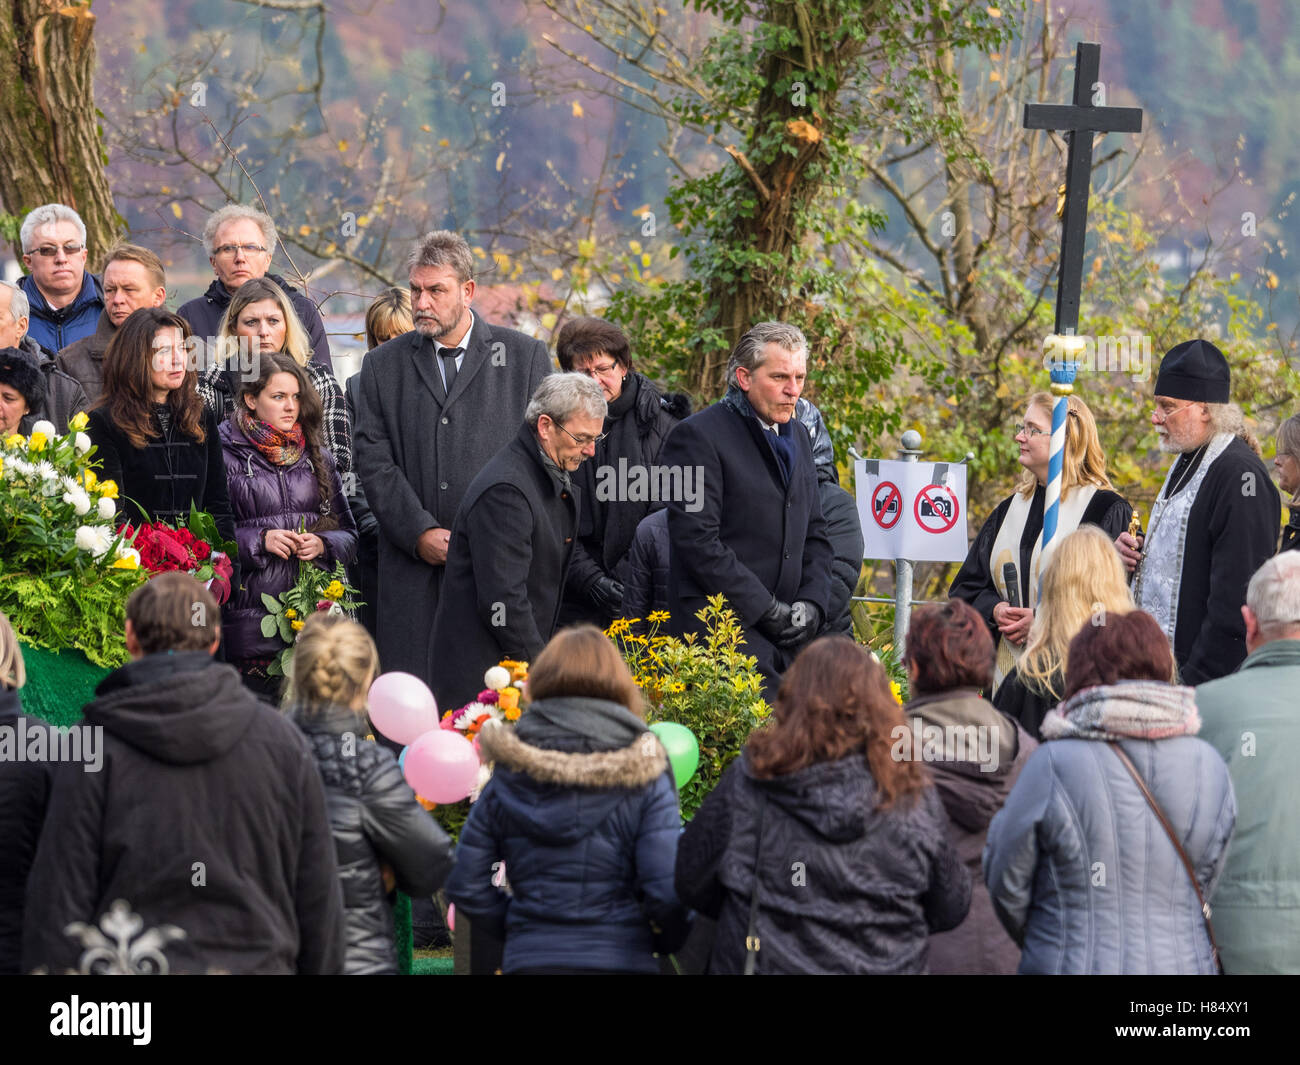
[
  {"x": 611, "y": 502},
  {"x": 380, "y": 831},
  {"x": 1286, "y": 463},
  {"x": 152, "y": 434},
  {"x": 827, "y": 831}
]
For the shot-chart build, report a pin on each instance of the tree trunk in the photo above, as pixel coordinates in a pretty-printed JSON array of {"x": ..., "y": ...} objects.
[
  {"x": 783, "y": 185},
  {"x": 51, "y": 149}
]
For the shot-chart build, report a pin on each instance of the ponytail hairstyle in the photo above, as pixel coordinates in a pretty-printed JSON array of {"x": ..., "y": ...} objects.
[
  {"x": 311, "y": 418},
  {"x": 334, "y": 661}
]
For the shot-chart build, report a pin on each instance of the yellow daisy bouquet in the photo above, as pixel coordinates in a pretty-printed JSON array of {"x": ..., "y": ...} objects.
[{"x": 316, "y": 590}]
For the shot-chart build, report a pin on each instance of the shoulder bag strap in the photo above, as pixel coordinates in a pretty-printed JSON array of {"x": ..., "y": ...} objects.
[
  {"x": 752, "y": 943},
  {"x": 1173, "y": 838}
]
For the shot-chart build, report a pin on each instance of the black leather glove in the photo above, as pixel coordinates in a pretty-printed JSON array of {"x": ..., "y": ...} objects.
[
  {"x": 805, "y": 623},
  {"x": 607, "y": 594},
  {"x": 775, "y": 620}
]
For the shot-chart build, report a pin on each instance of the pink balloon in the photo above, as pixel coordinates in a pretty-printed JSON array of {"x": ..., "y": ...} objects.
[
  {"x": 441, "y": 766},
  {"x": 402, "y": 707},
  {"x": 451, "y": 917}
]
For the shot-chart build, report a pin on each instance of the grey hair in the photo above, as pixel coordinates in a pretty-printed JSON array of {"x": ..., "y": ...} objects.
[
  {"x": 748, "y": 352},
  {"x": 1288, "y": 443},
  {"x": 1226, "y": 418},
  {"x": 1273, "y": 594},
  {"x": 19, "y": 305},
  {"x": 442, "y": 247},
  {"x": 562, "y": 395},
  {"x": 49, "y": 214},
  {"x": 235, "y": 212}
]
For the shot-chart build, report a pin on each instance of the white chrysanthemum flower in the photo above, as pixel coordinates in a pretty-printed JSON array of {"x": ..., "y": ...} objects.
[
  {"x": 107, "y": 508},
  {"x": 87, "y": 538},
  {"x": 46, "y": 471},
  {"x": 81, "y": 442},
  {"x": 126, "y": 551},
  {"x": 80, "y": 502},
  {"x": 46, "y": 427}
]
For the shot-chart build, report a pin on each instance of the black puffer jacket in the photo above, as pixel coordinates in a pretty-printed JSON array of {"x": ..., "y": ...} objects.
[
  {"x": 374, "y": 817},
  {"x": 24, "y": 793},
  {"x": 844, "y": 888},
  {"x": 644, "y": 569}
]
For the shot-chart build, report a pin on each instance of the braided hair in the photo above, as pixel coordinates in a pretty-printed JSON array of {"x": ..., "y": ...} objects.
[{"x": 334, "y": 661}]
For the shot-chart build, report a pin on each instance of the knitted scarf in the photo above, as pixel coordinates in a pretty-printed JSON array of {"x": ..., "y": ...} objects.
[
  {"x": 1131, "y": 709},
  {"x": 280, "y": 448}
]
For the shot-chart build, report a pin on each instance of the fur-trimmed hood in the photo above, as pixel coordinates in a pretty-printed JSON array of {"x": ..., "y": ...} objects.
[
  {"x": 634, "y": 766},
  {"x": 558, "y": 798}
]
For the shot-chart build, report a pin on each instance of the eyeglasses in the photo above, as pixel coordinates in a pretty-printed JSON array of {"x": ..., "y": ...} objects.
[
  {"x": 1166, "y": 412},
  {"x": 581, "y": 441},
  {"x": 1030, "y": 431},
  {"x": 231, "y": 249},
  {"x": 600, "y": 371},
  {"x": 49, "y": 251}
]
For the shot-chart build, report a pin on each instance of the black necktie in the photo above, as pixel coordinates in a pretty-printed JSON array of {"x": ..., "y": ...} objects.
[{"x": 448, "y": 357}]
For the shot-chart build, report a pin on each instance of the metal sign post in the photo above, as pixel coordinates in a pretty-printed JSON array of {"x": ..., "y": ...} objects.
[{"x": 909, "y": 452}]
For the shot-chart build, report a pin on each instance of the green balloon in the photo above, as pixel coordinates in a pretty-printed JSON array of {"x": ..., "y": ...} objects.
[{"x": 682, "y": 747}]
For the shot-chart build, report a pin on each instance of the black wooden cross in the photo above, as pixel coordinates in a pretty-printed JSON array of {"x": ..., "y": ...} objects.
[{"x": 1080, "y": 120}]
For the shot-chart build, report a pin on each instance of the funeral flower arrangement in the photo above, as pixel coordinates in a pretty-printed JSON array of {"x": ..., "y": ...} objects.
[
  {"x": 196, "y": 549},
  {"x": 315, "y": 590},
  {"x": 505, "y": 683},
  {"x": 65, "y": 572}
]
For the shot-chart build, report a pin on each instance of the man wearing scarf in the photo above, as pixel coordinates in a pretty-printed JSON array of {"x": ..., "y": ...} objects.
[
  {"x": 1214, "y": 522},
  {"x": 759, "y": 537}
]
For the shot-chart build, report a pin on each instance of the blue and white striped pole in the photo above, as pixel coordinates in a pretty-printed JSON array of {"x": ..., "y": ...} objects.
[{"x": 1063, "y": 371}]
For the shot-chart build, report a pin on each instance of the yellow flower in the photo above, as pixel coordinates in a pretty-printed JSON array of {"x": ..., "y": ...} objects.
[
  {"x": 334, "y": 590},
  {"x": 897, "y": 691},
  {"x": 108, "y": 489},
  {"x": 36, "y": 442},
  {"x": 89, "y": 479},
  {"x": 618, "y": 626},
  {"x": 15, "y": 439},
  {"x": 125, "y": 563},
  {"x": 78, "y": 421},
  {"x": 291, "y": 613},
  {"x": 658, "y": 616},
  {"x": 296, "y": 625},
  {"x": 512, "y": 713}
]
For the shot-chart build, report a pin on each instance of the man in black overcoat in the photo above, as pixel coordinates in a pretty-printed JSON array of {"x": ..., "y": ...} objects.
[
  {"x": 433, "y": 406},
  {"x": 512, "y": 541},
  {"x": 755, "y": 533}
]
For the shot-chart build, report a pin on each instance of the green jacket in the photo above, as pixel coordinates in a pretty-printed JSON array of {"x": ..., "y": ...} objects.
[{"x": 1252, "y": 718}]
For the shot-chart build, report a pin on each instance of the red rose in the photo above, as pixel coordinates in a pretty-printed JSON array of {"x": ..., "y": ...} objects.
[{"x": 201, "y": 550}]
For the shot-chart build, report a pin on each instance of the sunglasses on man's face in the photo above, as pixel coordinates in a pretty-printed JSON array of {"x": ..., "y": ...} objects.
[{"x": 49, "y": 251}]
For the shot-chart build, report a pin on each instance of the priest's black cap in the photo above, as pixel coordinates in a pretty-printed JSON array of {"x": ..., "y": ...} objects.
[{"x": 1194, "y": 370}]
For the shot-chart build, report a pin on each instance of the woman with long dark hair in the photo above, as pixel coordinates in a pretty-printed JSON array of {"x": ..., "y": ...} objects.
[
  {"x": 153, "y": 436},
  {"x": 824, "y": 848},
  {"x": 288, "y": 504}
]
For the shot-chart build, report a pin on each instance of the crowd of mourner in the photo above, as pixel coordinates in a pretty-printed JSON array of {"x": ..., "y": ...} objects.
[{"x": 1093, "y": 773}]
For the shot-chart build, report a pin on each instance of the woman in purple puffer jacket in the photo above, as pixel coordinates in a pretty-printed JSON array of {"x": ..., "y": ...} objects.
[{"x": 280, "y": 480}]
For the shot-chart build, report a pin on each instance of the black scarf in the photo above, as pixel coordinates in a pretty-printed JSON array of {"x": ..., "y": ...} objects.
[{"x": 576, "y": 723}]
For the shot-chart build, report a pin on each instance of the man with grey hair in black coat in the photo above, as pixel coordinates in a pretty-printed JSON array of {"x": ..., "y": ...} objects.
[
  {"x": 512, "y": 541},
  {"x": 755, "y": 534}
]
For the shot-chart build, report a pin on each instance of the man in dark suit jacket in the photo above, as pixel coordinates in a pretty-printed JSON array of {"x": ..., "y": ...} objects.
[
  {"x": 433, "y": 406},
  {"x": 512, "y": 541},
  {"x": 755, "y": 533}
]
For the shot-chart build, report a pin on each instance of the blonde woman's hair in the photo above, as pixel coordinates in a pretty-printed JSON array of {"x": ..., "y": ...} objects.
[
  {"x": 1084, "y": 582},
  {"x": 388, "y": 316},
  {"x": 334, "y": 661},
  {"x": 1288, "y": 443},
  {"x": 13, "y": 673},
  {"x": 1084, "y": 461},
  {"x": 297, "y": 344}
]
